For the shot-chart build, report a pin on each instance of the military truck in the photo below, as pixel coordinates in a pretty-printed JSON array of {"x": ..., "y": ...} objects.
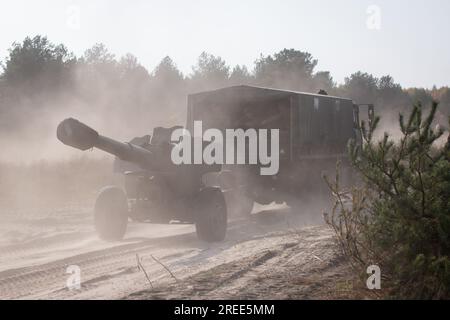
[{"x": 314, "y": 132}]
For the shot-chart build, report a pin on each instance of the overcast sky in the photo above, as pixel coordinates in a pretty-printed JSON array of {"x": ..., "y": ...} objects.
[{"x": 408, "y": 39}]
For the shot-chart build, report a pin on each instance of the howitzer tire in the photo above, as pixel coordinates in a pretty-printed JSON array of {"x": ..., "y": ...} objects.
[
  {"x": 111, "y": 214},
  {"x": 211, "y": 215}
]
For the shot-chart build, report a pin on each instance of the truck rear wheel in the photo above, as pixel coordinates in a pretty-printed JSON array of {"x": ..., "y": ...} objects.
[
  {"x": 211, "y": 215},
  {"x": 111, "y": 214}
]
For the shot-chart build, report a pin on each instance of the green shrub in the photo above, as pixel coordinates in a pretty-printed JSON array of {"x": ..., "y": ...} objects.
[{"x": 398, "y": 217}]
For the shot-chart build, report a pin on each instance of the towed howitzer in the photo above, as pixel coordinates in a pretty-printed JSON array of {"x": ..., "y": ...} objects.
[{"x": 158, "y": 192}]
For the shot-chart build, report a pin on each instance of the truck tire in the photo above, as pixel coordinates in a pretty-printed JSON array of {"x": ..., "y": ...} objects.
[
  {"x": 111, "y": 214},
  {"x": 211, "y": 215}
]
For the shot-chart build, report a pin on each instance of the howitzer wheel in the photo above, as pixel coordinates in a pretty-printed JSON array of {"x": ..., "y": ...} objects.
[
  {"x": 211, "y": 215},
  {"x": 111, "y": 214}
]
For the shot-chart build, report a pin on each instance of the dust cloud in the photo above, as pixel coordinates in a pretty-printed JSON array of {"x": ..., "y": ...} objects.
[
  {"x": 122, "y": 99},
  {"x": 36, "y": 170}
]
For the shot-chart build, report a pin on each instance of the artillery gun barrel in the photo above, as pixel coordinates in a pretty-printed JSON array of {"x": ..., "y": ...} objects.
[{"x": 76, "y": 134}]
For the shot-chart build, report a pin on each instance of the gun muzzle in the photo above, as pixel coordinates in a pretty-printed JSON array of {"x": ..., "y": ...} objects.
[{"x": 73, "y": 133}]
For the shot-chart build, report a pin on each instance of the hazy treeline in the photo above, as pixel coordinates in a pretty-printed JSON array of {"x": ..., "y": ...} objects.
[{"x": 41, "y": 82}]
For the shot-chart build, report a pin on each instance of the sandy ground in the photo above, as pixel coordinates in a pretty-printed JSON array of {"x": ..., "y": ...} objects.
[{"x": 274, "y": 254}]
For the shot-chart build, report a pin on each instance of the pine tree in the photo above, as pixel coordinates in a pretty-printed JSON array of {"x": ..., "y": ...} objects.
[{"x": 399, "y": 217}]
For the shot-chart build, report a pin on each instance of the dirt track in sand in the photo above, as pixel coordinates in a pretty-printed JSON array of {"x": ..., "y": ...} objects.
[
  {"x": 272, "y": 255},
  {"x": 304, "y": 264}
]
